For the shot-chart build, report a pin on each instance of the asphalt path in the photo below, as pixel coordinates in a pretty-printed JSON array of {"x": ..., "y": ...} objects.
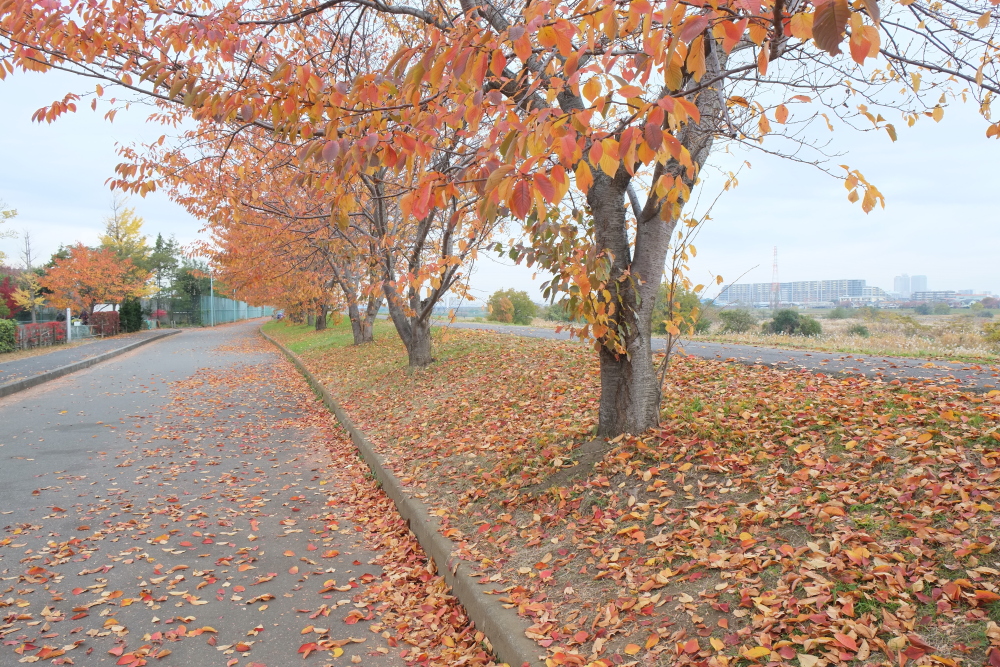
[
  {"x": 60, "y": 355},
  {"x": 172, "y": 500},
  {"x": 971, "y": 376}
]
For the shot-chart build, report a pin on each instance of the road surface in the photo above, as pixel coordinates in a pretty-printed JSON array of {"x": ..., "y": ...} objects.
[
  {"x": 177, "y": 499},
  {"x": 972, "y": 376}
]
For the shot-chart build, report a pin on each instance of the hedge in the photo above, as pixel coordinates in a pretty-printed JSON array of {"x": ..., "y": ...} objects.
[{"x": 8, "y": 331}]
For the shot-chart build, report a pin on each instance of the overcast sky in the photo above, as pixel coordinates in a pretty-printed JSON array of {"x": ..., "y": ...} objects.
[{"x": 940, "y": 218}]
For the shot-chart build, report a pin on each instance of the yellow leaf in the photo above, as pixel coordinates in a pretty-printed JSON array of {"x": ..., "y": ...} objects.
[
  {"x": 937, "y": 114},
  {"x": 984, "y": 20},
  {"x": 609, "y": 165},
  {"x": 592, "y": 89},
  {"x": 716, "y": 644},
  {"x": 758, "y": 652},
  {"x": 632, "y": 649}
]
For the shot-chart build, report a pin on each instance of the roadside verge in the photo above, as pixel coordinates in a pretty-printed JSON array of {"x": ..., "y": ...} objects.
[
  {"x": 35, "y": 380},
  {"x": 503, "y": 627}
]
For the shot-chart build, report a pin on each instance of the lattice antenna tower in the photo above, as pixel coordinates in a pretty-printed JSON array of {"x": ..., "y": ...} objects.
[{"x": 775, "y": 285}]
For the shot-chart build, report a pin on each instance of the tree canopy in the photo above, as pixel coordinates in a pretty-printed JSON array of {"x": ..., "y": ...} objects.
[
  {"x": 401, "y": 139},
  {"x": 88, "y": 277}
]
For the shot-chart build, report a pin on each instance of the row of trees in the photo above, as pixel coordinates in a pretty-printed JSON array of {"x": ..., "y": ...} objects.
[
  {"x": 119, "y": 271},
  {"x": 359, "y": 152}
]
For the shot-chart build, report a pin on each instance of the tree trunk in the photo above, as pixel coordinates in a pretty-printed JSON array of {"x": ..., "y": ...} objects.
[
  {"x": 363, "y": 323},
  {"x": 310, "y": 319},
  {"x": 321, "y": 317},
  {"x": 357, "y": 325},
  {"x": 630, "y": 393},
  {"x": 413, "y": 331}
]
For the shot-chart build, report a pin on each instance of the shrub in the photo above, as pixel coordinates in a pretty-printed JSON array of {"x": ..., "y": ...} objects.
[
  {"x": 40, "y": 334},
  {"x": 809, "y": 326},
  {"x": 789, "y": 321},
  {"x": 839, "y": 313},
  {"x": 738, "y": 320},
  {"x": 556, "y": 312},
  {"x": 859, "y": 330},
  {"x": 694, "y": 316},
  {"x": 511, "y": 305},
  {"x": 8, "y": 339},
  {"x": 784, "y": 321},
  {"x": 924, "y": 309},
  {"x": 984, "y": 313},
  {"x": 105, "y": 323},
  {"x": 131, "y": 315},
  {"x": 4, "y": 311},
  {"x": 991, "y": 332},
  {"x": 941, "y": 309}
]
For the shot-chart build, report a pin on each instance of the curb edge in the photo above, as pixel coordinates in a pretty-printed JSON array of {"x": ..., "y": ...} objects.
[
  {"x": 35, "y": 380},
  {"x": 502, "y": 626}
]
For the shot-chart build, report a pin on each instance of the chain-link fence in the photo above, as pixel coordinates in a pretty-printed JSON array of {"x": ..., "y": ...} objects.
[{"x": 220, "y": 310}]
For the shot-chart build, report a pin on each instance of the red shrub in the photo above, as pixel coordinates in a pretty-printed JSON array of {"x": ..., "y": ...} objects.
[
  {"x": 105, "y": 323},
  {"x": 38, "y": 335}
]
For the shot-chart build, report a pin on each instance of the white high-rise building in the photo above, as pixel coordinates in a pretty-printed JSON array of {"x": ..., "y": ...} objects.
[
  {"x": 918, "y": 284},
  {"x": 901, "y": 285}
]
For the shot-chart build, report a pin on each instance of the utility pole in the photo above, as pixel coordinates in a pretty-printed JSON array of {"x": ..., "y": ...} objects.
[
  {"x": 775, "y": 285},
  {"x": 211, "y": 293}
]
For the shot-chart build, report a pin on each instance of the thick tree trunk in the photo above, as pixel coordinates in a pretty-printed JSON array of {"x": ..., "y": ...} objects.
[
  {"x": 310, "y": 319},
  {"x": 321, "y": 317},
  {"x": 419, "y": 349},
  {"x": 413, "y": 331},
  {"x": 630, "y": 393}
]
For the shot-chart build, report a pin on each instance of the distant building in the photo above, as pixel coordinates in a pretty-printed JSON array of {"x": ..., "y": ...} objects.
[
  {"x": 918, "y": 284},
  {"x": 805, "y": 292},
  {"x": 940, "y": 295},
  {"x": 901, "y": 285},
  {"x": 873, "y": 294}
]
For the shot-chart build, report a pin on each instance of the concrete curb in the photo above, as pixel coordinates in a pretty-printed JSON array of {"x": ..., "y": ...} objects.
[
  {"x": 35, "y": 380},
  {"x": 502, "y": 626}
]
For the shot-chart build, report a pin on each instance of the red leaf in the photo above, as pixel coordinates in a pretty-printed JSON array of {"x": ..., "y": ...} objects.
[
  {"x": 520, "y": 199},
  {"x": 693, "y": 27},
  {"x": 830, "y": 24}
]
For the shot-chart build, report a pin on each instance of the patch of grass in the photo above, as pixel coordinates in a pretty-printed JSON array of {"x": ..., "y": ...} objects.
[{"x": 993, "y": 611}]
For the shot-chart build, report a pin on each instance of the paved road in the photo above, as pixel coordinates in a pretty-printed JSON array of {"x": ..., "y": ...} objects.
[
  {"x": 58, "y": 356},
  {"x": 970, "y": 375},
  {"x": 169, "y": 489}
]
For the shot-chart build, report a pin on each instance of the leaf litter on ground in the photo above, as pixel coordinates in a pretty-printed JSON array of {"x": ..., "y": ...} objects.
[{"x": 776, "y": 516}]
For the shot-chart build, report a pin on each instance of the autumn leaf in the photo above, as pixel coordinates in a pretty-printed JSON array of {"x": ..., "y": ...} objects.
[{"x": 829, "y": 24}]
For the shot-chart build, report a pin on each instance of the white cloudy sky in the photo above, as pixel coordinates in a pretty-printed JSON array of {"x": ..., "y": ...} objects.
[{"x": 940, "y": 218}]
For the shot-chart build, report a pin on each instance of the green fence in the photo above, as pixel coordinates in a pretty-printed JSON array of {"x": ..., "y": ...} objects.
[{"x": 220, "y": 310}]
